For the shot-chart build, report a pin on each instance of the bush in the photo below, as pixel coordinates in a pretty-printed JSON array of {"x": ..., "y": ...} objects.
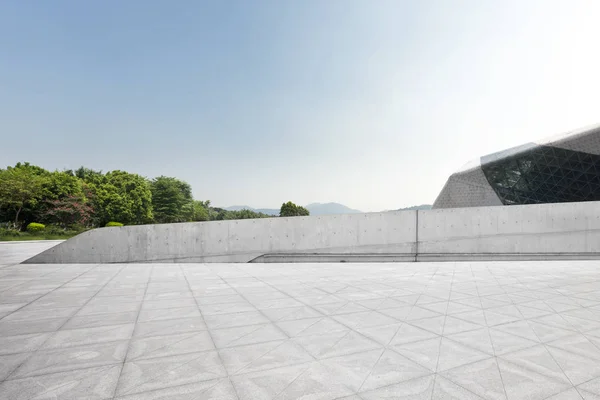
[
  {"x": 6, "y": 232},
  {"x": 112, "y": 223},
  {"x": 52, "y": 229},
  {"x": 35, "y": 227}
]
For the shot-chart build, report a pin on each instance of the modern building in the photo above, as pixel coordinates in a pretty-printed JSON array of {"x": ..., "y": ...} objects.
[{"x": 561, "y": 169}]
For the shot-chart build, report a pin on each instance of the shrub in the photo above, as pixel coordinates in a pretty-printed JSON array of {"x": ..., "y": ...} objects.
[
  {"x": 6, "y": 232},
  {"x": 112, "y": 223},
  {"x": 35, "y": 227},
  {"x": 52, "y": 229}
]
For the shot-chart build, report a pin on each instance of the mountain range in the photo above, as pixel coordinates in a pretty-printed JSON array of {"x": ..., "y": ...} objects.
[{"x": 321, "y": 209}]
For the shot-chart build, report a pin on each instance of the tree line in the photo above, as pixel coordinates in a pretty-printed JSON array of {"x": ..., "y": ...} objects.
[{"x": 86, "y": 198}]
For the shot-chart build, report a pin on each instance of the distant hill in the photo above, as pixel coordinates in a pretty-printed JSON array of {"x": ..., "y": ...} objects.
[
  {"x": 330, "y": 208},
  {"x": 421, "y": 207}
]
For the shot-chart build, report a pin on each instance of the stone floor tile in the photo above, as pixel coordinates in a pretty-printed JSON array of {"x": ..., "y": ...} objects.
[
  {"x": 100, "y": 308},
  {"x": 158, "y": 373},
  {"x": 414, "y": 389},
  {"x": 10, "y": 362},
  {"x": 283, "y": 354},
  {"x": 292, "y": 313},
  {"x": 169, "y": 327},
  {"x": 420, "y": 313},
  {"x": 96, "y": 320},
  {"x": 22, "y": 343},
  {"x": 588, "y": 395},
  {"x": 220, "y": 321},
  {"x": 249, "y": 334},
  {"x": 392, "y": 368},
  {"x": 591, "y": 386},
  {"x": 434, "y": 325},
  {"x": 518, "y": 328},
  {"x": 507, "y": 343},
  {"x": 352, "y": 342},
  {"x": 364, "y": 319},
  {"x": 317, "y": 381},
  {"x": 160, "y": 314},
  {"x": 381, "y": 334},
  {"x": 72, "y": 358},
  {"x": 481, "y": 377},
  {"x": 28, "y": 314},
  {"x": 352, "y": 370},
  {"x": 85, "y": 336},
  {"x": 578, "y": 344},
  {"x": 267, "y": 385},
  {"x": 226, "y": 308},
  {"x": 425, "y": 352},
  {"x": 97, "y": 383},
  {"x": 320, "y": 344},
  {"x": 578, "y": 369},
  {"x": 216, "y": 389},
  {"x": 398, "y": 313},
  {"x": 454, "y": 354},
  {"x": 525, "y": 383},
  {"x": 13, "y": 328},
  {"x": 456, "y": 325},
  {"x": 538, "y": 359},
  {"x": 478, "y": 339},
  {"x": 312, "y": 326},
  {"x": 410, "y": 333},
  {"x": 569, "y": 394},
  {"x": 448, "y": 390},
  {"x": 169, "y": 345}
]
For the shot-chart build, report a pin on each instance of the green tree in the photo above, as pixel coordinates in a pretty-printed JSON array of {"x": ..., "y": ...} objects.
[
  {"x": 171, "y": 200},
  {"x": 290, "y": 209},
  {"x": 19, "y": 188},
  {"x": 59, "y": 185},
  {"x": 89, "y": 175},
  {"x": 201, "y": 210},
  {"x": 244, "y": 214},
  {"x": 122, "y": 197}
]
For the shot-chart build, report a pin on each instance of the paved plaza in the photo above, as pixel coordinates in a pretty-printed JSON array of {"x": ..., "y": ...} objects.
[{"x": 514, "y": 330}]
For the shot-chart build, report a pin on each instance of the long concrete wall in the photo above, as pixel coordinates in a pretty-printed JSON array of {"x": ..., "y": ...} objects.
[
  {"x": 241, "y": 240},
  {"x": 559, "y": 230},
  {"x": 567, "y": 230}
]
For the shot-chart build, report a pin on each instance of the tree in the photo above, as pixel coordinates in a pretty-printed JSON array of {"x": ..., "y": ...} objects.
[
  {"x": 89, "y": 175},
  {"x": 290, "y": 209},
  {"x": 201, "y": 210},
  {"x": 244, "y": 214},
  {"x": 59, "y": 185},
  {"x": 20, "y": 187},
  {"x": 171, "y": 200},
  {"x": 122, "y": 197},
  {"x": 69, "y": 211}
]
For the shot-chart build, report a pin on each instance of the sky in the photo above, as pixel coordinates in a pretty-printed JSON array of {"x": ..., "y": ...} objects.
[{"x": 368, "y": 103}]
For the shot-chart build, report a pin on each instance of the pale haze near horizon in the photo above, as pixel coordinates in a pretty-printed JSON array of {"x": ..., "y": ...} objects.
[{"x": 372, "y": 104}]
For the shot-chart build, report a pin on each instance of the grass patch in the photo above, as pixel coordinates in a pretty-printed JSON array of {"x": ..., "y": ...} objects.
[
  {"x": 11, "y": 235},
  {"x": 26, "y": 236}
]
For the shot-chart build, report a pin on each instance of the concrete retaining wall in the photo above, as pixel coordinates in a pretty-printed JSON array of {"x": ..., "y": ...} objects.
[
  {"x": 544, "y": 228},
  {"x": 561, "y": 231},
  {"x": 239, "y": 241}
]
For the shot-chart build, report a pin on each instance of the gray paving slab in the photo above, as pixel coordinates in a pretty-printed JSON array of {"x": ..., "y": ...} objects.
[
  {"x": 479, "y": 330},
  {"x": 16, "y": 251}
]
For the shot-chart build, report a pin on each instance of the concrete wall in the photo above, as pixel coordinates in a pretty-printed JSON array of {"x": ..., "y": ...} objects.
[
  {"x": 241, "y": 240},
  {"x": 565, "y": 230},
  {"x": 544, "y": 228}
]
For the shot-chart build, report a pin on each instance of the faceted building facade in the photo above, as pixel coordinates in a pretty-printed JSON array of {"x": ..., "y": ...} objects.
[{"x": 561, "y": 169}]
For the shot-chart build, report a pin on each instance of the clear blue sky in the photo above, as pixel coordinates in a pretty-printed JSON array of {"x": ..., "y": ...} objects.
[{"x": 368, "y": 103}]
